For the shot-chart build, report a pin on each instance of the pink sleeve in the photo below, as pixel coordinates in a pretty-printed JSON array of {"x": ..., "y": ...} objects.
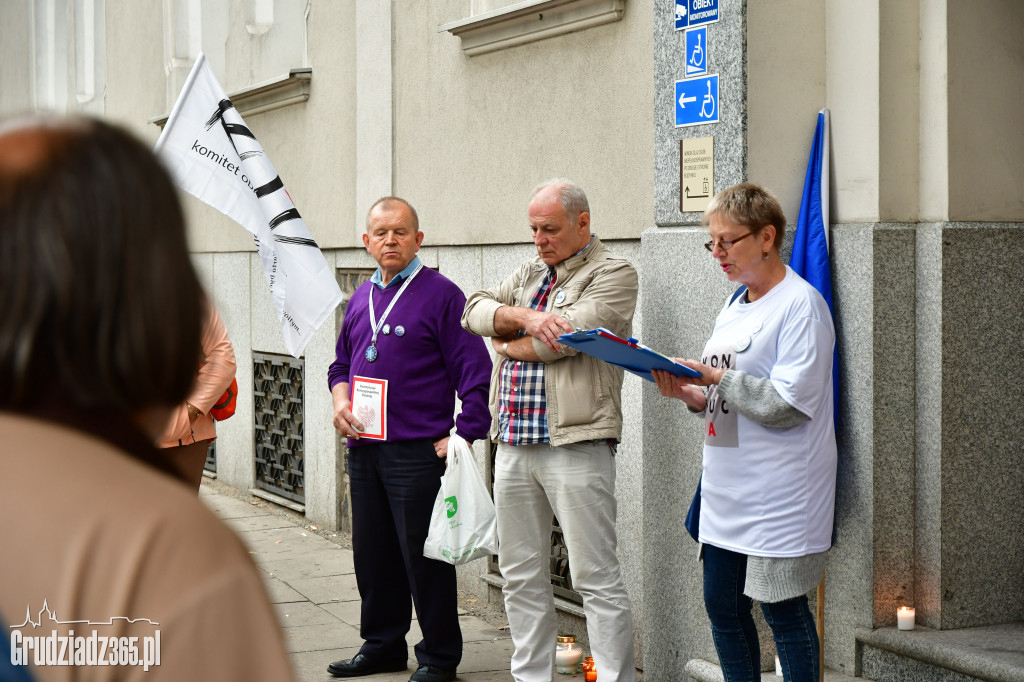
[
  {"x": 177, "y": 429},
  {"x": 219, "y": 368}
]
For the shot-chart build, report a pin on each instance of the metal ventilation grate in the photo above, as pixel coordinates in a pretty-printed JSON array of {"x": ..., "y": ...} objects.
[
  {"x": 278, "y": 395},
  {"x": 211, "y": 457}
]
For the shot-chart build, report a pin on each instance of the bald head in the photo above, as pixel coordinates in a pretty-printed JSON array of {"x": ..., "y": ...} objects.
[
  {"x": 391, "y": 204},
  {"x": 570, "y": 195},
  {"x": 559, "y": 220}
]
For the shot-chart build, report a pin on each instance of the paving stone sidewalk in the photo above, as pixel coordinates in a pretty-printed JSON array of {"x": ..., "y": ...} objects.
[{"x": 312, "y": 584}]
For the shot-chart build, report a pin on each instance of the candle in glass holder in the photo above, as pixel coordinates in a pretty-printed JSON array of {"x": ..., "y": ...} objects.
[
  {"x": 589, "y": 670},
  {"x": 905, "y": 618},
  {"x": 567, "y": 655}
]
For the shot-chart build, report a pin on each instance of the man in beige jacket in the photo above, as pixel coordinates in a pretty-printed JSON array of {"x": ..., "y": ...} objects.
[{"x": 556, "y": 415}]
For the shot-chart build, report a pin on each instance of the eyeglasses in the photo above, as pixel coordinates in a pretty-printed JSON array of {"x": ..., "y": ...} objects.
[{"x": 725, "y": 245}]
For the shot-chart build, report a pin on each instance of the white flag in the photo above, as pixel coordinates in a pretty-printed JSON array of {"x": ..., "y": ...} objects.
[{"x": 213, "y": 156}]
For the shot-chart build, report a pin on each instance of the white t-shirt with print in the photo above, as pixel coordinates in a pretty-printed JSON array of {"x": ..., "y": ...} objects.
[{"x": 765, "y": 491}]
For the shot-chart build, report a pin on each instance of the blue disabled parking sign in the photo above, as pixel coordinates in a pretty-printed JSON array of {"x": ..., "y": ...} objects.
[
  {"x": 697, "y": 51},
  {"x": 690, "y": 13},
  {"x": 697, "y": 101}
]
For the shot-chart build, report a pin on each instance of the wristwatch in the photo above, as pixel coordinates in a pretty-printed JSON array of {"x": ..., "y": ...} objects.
[{"x": 504, "y": 349}]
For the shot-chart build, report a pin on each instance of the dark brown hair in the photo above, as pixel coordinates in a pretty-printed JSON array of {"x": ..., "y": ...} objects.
[
  {"x": 99, "y": 298},
  {"x": 751, "y": 205}
]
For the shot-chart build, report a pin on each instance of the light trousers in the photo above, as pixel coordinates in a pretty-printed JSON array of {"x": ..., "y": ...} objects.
[{"x": 576, "y": 484}]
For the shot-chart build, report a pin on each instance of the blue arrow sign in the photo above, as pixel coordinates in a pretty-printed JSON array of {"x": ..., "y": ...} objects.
[
  {"x": 697, "y": 101},
  {"x": 697, "y": 51},
  {"x": 690, "y": 13}
]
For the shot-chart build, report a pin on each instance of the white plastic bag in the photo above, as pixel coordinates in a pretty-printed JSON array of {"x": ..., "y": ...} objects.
[{"x": 462, "y": 525}]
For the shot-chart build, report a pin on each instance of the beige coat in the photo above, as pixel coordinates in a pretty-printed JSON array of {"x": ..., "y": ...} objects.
[
  {"x": 99, "y": 536},
  {"x": 213, "y": 379},
  {"x": 584, "y": 394}
]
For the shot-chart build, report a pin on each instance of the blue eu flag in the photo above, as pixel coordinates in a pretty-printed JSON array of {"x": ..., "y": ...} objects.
[{"x": 810, "y": 258}]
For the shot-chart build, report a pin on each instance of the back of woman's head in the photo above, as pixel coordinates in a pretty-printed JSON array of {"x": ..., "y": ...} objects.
[{"x": 100, "y": 304}]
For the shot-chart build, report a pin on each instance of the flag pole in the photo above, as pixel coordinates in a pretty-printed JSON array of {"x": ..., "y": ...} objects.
[
  {"x": 215, "y": 157},
  {"x": 180, "y": 102},
  {"x": 821, "y": 629}
]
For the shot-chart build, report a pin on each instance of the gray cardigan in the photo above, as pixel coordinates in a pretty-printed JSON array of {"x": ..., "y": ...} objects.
[{"x": 771, "y": 579}]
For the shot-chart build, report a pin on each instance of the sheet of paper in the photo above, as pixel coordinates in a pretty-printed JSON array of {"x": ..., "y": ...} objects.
[{"x": 370, "y": 406}]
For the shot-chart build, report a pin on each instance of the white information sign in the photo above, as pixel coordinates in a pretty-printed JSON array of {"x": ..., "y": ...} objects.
[{"x": 696, "y": 173}]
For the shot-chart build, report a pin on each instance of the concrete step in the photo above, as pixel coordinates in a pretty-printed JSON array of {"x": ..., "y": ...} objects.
[
  {"x": 993, "y": 653},
  {"x": 706, "y": 671}
]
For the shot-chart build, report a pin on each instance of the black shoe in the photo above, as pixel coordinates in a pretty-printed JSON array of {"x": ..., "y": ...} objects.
[
  {"x": 428, "y": 673},
  {"x": 360, "y": 665}
]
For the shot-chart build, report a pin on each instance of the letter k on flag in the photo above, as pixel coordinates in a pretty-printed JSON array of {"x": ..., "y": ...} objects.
[{"x": 213, "y": 156}]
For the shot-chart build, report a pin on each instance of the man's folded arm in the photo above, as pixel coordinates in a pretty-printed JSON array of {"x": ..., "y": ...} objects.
[
  {"x": 608, "y": 301},
  {"x": 481, "y": 306}
]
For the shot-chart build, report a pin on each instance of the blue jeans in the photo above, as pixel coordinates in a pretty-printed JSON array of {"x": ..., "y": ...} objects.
[{"x": 732, "y": 624}]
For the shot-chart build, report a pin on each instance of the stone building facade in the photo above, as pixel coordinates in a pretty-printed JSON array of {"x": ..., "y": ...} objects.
[{"x": 463, "y": 106}]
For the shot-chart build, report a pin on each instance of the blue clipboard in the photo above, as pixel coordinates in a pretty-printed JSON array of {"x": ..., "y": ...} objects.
[{"x": 629, "y": 354}]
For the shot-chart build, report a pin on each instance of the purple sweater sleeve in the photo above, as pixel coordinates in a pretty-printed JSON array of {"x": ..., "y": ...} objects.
[{"x": 468, "y": 363}]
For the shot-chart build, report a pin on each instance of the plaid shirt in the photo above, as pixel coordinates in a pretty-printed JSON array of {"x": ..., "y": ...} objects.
[{"x": 522, "y": 401}]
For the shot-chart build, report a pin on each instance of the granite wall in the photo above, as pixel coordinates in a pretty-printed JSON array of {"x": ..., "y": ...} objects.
[
  {"x": 970, "y": 559},
  {"x": 682, "y": 292},
  {"x": 928, "y": 327},
  {"x": 682, "y": 295},
  {"x": 726, "y": 57}
]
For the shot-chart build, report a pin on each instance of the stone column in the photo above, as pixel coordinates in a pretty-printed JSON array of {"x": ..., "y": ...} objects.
[{"x": 681, "y": 293}]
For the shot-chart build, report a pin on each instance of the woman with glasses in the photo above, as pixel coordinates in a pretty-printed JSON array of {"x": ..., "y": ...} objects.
[{"x": 769, "y": 467}]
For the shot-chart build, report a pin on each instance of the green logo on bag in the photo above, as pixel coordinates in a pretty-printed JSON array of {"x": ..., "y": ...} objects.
[{"x": 451, "y": 505}]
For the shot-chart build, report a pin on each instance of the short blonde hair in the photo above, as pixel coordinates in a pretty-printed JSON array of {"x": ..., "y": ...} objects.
[{"x": 751, "y": 205}]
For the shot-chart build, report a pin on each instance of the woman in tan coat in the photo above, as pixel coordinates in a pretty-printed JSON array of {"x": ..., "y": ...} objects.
[{"x": 100, "y": 537}]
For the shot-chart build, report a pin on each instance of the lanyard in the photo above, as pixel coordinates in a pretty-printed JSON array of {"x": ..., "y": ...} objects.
[{"x": 375, "y": 324}]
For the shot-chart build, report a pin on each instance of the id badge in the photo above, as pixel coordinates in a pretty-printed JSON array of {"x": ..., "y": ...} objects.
[{"x": 370, "y": 406}]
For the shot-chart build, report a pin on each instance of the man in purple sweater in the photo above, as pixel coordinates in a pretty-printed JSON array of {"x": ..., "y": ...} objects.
[{"x": 403, "y": 327}]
